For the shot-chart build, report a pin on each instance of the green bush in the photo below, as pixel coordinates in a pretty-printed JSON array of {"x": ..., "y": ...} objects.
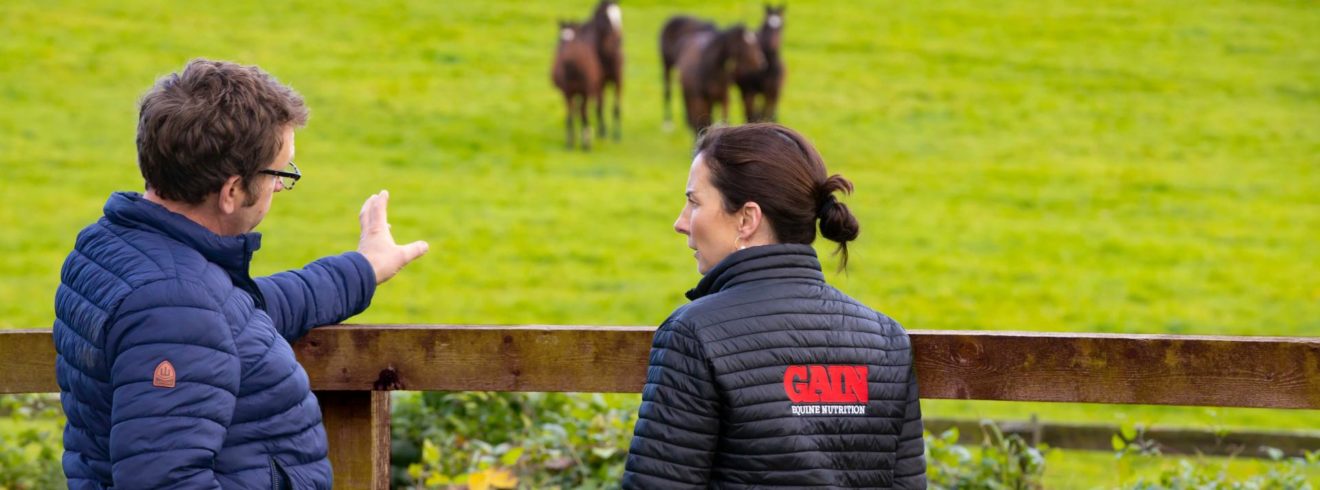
[
  {"x": 1002, "y": 462},
  {"x": 498, "y": 440},
  {"x": 1201, "y": 474},
  {"x": 30, "y": 442}
]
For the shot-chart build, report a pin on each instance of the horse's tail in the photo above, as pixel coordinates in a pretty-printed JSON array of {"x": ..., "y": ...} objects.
[
  {"x": 669, "y": 43},
  {"x": 577, "y": 70},
  {"x": 574, "y": 74},
  {"x": 568, "y": 76}
]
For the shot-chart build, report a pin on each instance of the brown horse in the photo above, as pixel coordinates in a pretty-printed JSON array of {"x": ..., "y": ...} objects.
[
  {"x": 706, "y": 63},
  {"x": 577, "y": 73},
  {"x": 672, "y": 37},
  {"x": 606, "y": 29},
  {"x": 765, "y": 84}
]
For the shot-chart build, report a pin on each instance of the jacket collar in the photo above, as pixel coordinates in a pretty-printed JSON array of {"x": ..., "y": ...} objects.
[
  {"x": 231, "y": 253},
  {"x": 778, "y": 261}
]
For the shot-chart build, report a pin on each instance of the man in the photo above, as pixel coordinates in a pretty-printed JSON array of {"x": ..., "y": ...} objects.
[{"x": 174, "y": 364}]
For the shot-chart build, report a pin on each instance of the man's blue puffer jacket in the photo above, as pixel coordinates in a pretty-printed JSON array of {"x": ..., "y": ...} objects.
[{"x": 174, "y": 364}]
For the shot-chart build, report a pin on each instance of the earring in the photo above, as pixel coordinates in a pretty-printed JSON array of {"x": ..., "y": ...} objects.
[{"x": 738, "y": 246}]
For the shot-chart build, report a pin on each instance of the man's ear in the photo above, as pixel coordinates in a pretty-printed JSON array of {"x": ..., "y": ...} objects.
[{"x": 231, "y": 195}]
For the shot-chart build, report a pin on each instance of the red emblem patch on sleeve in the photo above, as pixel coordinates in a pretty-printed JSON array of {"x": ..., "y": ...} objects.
[{"x": 164, "y": 377}]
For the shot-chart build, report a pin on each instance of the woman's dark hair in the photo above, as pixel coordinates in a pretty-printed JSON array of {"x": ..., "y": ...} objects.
[
  {"x": 212, "y": 121},
  {"x": 778, "y": 169}
]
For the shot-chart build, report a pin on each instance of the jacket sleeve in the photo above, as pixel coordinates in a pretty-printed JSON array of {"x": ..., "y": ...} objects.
[
  {"x": 678, "y": 423},
  {"x": 327, "y": 291},
  {"x": 166, "y": 428},
  {"x": 910, "y": 464}
]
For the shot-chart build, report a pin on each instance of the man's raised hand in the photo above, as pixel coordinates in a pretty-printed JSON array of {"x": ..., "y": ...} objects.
[{"x": 377, "y": 243}]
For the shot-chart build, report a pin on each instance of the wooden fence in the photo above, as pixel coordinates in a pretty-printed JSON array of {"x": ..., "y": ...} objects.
[{"x": 353, "y": 368}]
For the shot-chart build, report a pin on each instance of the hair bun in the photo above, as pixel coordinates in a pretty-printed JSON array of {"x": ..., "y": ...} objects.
[{"x": 837, "y": 222}]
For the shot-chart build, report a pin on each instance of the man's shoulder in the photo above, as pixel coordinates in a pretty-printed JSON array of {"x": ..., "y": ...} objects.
[
  {"x": 132, "y": 258},
  {"x": 112, "y": 270}
]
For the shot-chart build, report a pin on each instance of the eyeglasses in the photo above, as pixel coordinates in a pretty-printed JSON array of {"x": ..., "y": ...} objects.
[{"x": 286, "y": 178}]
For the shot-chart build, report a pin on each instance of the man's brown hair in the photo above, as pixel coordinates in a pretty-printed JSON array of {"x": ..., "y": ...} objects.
[{"x": 212, "y": 121}]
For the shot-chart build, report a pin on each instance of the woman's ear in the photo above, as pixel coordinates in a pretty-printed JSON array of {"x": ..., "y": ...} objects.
[
  {"x": 750, "y": 219},
  {"x": 231, "y": 195}
]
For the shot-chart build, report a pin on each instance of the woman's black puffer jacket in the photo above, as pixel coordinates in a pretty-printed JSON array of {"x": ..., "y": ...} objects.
[{"x": 771, "y": 378}]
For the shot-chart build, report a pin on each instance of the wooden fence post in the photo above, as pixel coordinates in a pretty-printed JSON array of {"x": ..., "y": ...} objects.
[{"x": 357, "y": 424}]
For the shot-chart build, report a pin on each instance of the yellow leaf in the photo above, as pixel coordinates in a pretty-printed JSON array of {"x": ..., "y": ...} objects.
[
  {"x": 491, "y": 478},
  {"x": 502, "y": 479},
  {"x": 415, "y": 471},
  {"x": 477, "y": 481}
]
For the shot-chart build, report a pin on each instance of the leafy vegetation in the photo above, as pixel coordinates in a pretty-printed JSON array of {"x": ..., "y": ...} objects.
[
  {"x": 30, "y": 437},
  {"x": 543, "y": 440},
  {"x": 1003, "y": 462},
  {"x": 1293, "y": 473},
  {"x": 1009, "y": 462}
]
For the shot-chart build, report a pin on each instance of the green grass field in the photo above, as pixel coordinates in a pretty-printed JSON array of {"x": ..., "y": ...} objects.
[{"x": 1146, "y": 167}]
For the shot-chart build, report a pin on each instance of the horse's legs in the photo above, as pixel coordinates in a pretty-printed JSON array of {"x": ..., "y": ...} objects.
[
  {"x": 771, "y": 112},
  {"x": 568, "y": 120},
  {"x": 698, "y": 113},
  {"x": 586, "y": 124},
  {"x": 600, "y": 111},
  {"x": 618, "y": 114},
  {"x": 749, "y": 105},
  {"x": 724, "y": 108}
]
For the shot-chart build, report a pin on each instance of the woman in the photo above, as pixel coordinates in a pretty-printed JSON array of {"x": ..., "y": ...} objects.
[{"x": 770, "y": 377}]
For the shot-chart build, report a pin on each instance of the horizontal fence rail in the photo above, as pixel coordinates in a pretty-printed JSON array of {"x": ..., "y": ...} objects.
[
  {"x": 1259, "y": 372},
  {"x": 352, "y": 368}
]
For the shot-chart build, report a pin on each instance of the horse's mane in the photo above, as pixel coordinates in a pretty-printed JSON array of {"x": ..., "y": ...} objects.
[{"x": 600, "y": 19}]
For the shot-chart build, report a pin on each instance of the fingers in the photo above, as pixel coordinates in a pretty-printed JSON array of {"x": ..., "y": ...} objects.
[
  {"x": 381, "y": 202},
  {"x": 377, "y": 244},
  {"x": 373, "y": 216},
  {"x": 414, "y": 250},
  {"x": 364, "y": 216}
]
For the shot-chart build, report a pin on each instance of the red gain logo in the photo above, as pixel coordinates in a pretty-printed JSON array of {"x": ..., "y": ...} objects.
[{"x": 826, "y": 384}]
